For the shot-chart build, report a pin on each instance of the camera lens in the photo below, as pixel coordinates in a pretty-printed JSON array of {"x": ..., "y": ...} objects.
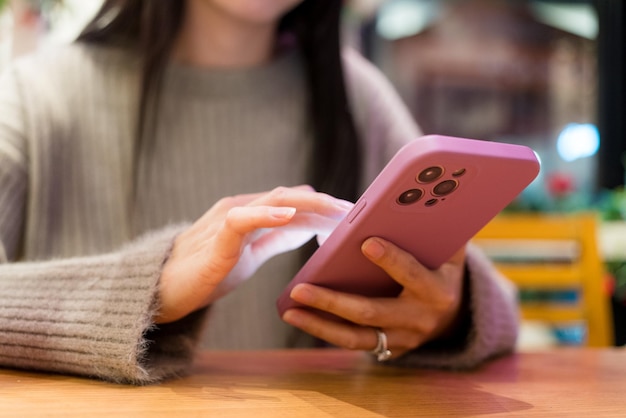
[
  {"x": 430, "y": 174},
  {"x": 410, "y": 196},
  {"x": 459, "y": 172},
  {"x": 445, "y": 187}
]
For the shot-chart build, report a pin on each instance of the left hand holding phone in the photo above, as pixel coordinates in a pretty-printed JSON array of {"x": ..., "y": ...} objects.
[{"x": 427, "y": 308}]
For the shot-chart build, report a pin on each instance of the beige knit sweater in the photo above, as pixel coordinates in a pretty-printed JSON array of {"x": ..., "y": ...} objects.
[{"x": 80, "y": 258}]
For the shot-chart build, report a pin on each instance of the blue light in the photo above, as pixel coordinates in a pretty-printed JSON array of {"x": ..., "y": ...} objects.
[{"x": 578, "y": 140}]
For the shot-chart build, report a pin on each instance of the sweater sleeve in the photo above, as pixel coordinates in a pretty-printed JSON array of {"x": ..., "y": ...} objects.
[
  {"x": 92, "y": 316},
  {"x": 385, "y": 124}
]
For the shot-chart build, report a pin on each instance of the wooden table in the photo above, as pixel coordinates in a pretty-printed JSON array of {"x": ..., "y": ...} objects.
[{"x": 575, "y": 382}]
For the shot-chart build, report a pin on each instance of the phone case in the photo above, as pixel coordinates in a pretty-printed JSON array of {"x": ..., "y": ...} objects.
[{"x": 430, "y": 199}]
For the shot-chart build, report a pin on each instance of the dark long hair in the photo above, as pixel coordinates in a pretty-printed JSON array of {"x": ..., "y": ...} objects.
[{"x": 150, "y": 27}]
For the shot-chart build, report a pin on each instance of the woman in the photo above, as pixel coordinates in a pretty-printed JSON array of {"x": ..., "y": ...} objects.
[{"x": 112, "y": 146}]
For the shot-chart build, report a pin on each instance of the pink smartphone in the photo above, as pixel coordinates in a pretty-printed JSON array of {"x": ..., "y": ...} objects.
[{"x": 430, "y": 199}]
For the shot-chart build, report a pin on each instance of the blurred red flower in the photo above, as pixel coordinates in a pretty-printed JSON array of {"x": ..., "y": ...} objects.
[{"x": 560, "y": 184}]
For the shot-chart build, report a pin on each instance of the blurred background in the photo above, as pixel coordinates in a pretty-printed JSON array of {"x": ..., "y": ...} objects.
[{"x": 544, "y": 73}]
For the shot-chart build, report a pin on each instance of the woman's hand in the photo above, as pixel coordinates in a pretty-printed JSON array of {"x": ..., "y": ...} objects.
[
  {"x": 426, "y": 309},
  {"x": 234, "y": 238}
]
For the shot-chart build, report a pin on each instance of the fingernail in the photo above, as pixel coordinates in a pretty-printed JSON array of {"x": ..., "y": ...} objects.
[
  {"x": 291, "y": 317},
  {"x": 301, "y": 293},
  {"x": 344, "y": 204},
  {"x": 373, "y": 249},
  {"x": 282, "y": 213}
]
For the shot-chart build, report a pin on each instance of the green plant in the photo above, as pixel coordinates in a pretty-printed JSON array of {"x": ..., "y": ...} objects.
[{"x": 613, "y": 204}]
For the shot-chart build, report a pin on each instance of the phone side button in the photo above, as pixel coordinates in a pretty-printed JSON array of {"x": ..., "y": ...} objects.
[{"x": 356, "y": 210}]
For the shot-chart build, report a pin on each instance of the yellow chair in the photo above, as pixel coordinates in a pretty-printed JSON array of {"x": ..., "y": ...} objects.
[{"x": 553, "y": 253}]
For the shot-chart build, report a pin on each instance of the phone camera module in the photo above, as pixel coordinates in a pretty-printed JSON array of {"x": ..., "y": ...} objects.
[
  {"x": 445, "y": 187},
  {"x": 410, "y": 196},
  {"x": 430, "y": 174}
]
